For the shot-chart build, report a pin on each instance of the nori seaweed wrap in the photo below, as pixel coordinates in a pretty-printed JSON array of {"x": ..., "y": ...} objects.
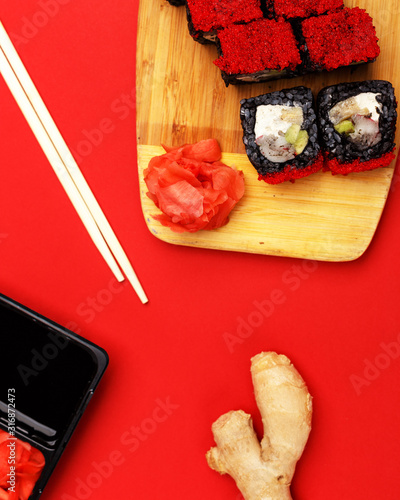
[
  {"x": 357, "y": 124},
  {"x": 280, "y": 134},
  {"x": 177, "y": 3}
]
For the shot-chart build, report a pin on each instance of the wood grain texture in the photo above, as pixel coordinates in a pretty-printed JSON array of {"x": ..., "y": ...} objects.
[{"x": 181, "y": 98}]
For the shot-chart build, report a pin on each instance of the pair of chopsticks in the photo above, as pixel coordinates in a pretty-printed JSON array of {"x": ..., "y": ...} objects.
[{"x": 63, "y": 163}]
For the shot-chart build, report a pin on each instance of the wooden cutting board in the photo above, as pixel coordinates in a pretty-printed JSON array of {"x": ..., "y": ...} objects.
[{"x": 181, "y": 98}]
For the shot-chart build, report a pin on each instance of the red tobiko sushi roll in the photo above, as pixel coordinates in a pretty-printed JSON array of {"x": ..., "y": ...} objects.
[
  {"x": 339, "y": 39},
  {"x": 205, "y": 17},
  {"x": 262, "y": 50},
  {"x": 290, "y": 9}
]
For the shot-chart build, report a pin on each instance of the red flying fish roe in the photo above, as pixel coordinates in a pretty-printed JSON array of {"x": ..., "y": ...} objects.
[
  {"x": 336, "y": 167},
  {"x": 341, "y": 38},
  {"x": 291, "y": 174},
  {"x": 305, "y": 8},
  {"x": 212, "y": 14},
  {"x": 262, "y": 44}
]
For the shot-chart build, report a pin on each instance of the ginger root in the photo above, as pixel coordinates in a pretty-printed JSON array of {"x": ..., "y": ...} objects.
[{"x": 264, "y": 471}]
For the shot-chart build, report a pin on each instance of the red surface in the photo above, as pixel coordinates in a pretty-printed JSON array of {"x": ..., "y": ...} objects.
[{"x": 334, "y": 320}]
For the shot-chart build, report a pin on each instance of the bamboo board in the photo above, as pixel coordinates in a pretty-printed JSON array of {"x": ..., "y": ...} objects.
[{"x": 181, "y": 98}]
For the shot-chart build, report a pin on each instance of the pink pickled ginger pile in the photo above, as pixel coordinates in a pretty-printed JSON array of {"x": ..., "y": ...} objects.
[
  {"x": 192, "y": 188},
  {"x": 27, "y": 462}
]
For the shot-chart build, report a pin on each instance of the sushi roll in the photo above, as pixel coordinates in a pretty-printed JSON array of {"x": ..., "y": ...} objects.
[
  {"x": 205, "y": 17},
  {"x": 357, "y": 124},
  {"x": 292, "y": 9},
  {"x": 342, "y": 38},
  {"x": 280, "y": 134},
  {"x": 262, "y": 50}
]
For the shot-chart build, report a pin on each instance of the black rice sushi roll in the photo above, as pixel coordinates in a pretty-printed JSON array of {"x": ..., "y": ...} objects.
[
  {"x": 280, "y": 134},
  {"x": 357, "y": 124}
]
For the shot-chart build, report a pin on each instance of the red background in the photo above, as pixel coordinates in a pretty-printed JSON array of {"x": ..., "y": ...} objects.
[{"x": 333, "y": 320}]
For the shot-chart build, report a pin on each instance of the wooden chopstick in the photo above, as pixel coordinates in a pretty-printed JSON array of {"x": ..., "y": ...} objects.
[
  {"x": 57, "y": 164},
  {"x": 63, "y": 163}
]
